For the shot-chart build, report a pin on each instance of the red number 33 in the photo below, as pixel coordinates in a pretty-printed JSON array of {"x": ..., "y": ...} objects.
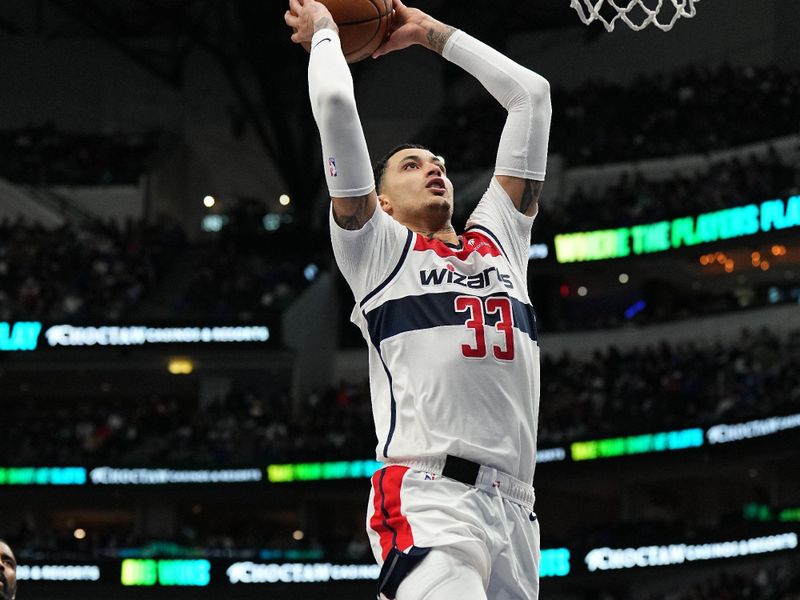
[{"x": 476, "y": 322}]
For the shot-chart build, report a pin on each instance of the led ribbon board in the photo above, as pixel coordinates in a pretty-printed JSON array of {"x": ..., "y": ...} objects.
[
  {"x": 149, "y": 572},
  {"x": 42, "y": 476},
  {"x": 19, "y": 336},
  {"x": 581, "y": 451},
  {"x": 113, "y": 476},
  {"x": 554, "y": 563},
  {"x": 321, "y": 471},
  {"x": 607, "y": 559},
  {"x": 739, "y": 221},
  {"x": 29, "y": 335},
  {"x": 736, "y": 432},
  {"x": 58, "y": 573},
  {"x": 637, "y": 444}
]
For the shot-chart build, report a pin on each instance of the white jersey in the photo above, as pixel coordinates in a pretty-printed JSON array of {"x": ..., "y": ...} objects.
[{"x": 453, "y": 351}]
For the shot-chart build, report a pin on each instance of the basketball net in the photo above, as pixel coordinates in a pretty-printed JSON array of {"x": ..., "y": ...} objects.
[{"x": 641, "y": 17}]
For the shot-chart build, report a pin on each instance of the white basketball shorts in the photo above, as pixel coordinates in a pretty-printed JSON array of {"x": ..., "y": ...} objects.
[{"x": 490, "y": 527}]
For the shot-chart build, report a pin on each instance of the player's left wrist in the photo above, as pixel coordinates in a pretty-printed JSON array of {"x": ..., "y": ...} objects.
[
  {"x": 434, "y": 34},
  {"x": 322, "y": 19}
]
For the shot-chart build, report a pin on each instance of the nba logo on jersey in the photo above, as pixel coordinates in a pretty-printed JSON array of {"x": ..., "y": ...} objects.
[
  {"x": 430, "y": 476},
  {"x": 332, "y": 167}
]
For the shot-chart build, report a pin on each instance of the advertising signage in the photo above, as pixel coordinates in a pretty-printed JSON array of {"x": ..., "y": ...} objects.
[
  {"x": 729, "y": 223},
  {"x": 556, "y": 563},
  {"x": 28, "y": 336}
]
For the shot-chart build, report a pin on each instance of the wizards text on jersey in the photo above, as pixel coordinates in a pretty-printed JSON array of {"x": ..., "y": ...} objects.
[{"x": 450, "y": 275}]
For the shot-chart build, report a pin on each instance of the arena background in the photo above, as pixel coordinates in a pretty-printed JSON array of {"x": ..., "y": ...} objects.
[{"x": 184, "y": 404}]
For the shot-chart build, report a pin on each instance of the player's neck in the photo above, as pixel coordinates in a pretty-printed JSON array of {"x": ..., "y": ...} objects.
[
  {"x": 431, "y": 227},
  {"x": 446, "y": 234}
]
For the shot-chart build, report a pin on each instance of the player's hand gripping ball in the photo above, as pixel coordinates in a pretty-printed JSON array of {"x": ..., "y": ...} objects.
[{"x": 363, "y": 25}]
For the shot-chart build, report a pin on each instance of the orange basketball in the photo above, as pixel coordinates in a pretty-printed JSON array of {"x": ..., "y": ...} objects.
[{"x": 363, "y": 25}]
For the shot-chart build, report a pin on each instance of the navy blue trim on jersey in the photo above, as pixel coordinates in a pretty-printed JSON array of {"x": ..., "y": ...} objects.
[
  {"x": 396, "y": 568},
  {"x": 491, "y": 235},
  {"x": 395, "y": 271},
  {"x": 393, "y": 405},
  {"x": 437, "y": 310},
  {"x": 393, "y": 418}
]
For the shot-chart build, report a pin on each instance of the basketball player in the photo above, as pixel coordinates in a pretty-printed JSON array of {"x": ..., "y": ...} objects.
[
  {"x": 8, "y": 572},
  {"x": 454, "y": 359}
]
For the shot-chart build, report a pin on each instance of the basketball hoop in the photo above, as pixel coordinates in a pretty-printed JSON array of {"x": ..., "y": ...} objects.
[{"x": 636, "y": 14}]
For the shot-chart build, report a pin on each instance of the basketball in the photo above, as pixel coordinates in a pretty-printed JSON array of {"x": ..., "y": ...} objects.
[{"x": 363, "y": 25}]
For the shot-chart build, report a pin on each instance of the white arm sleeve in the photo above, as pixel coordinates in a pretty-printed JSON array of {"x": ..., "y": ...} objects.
[
  {"x": 345, "y": 157},
  {"x": 523, "y": 93}
]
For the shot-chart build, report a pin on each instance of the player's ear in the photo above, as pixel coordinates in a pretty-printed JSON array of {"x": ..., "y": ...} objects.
[{"x": 386, "y": 204}]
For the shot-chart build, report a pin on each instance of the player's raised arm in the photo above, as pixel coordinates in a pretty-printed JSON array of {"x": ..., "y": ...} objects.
[
  {"x": 346, "y": 160},
  {"x": 522, "y": 154}
]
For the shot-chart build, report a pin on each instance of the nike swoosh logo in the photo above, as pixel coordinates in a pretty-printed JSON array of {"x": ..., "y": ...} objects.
[{"x": 322, "y": 40}]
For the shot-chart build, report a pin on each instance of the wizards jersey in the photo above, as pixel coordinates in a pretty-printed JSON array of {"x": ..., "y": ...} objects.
[{"x": 453, "y": 351}]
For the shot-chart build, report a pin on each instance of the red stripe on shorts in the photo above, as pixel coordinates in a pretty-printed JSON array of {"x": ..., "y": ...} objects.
[{"x": 387, "y": 519}]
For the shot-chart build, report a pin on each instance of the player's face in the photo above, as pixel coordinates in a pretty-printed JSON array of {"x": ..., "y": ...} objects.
[
  {"x": 415, "y": 183},
  {"x": 8, "y": 573}
]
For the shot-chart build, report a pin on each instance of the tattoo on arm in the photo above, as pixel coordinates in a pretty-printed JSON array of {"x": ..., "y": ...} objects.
[
  {"x": 325, "y": 23},
  {"x": 530, "y": 195},
  {"x": 351, "y": 213},
  {"x": 437, "y": 37}
]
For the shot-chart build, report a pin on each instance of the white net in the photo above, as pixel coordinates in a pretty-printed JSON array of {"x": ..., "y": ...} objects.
[{"x": 636, "y": 14}]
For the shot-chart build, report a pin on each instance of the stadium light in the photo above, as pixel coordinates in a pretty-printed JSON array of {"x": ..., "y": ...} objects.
[{"x": 180, "y": 366}]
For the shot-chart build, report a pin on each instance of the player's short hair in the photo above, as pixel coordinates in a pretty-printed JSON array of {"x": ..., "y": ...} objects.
[{"x": 379, "y": 170}]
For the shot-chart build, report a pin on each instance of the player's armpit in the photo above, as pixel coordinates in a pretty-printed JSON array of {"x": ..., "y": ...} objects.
[
  {"x": 524, "y": 193},
  {"x": 353, "y": 213}
]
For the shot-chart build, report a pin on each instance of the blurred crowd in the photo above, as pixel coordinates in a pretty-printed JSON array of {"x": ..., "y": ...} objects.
[
  {"x": 668, "y": 386},
  {"x": 781, "y": 582},
  {"x": 247, "y": 272},
  {"x": 235, "y": 286},
  {"x": 614, "y": 392},
  {"x": 633, "y": 199},
  {"x": 44, "y": 155},
  {"x": 105, "y": 271},
  {"x": 96, "y": 271},
  {"x": 242, "y": 427},
  {"x": 692, "y": 110}
]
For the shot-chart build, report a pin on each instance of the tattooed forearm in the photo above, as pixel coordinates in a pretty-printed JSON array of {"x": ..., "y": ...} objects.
[
  {"x": 437, "y": 36},
  {"x": 325, "y": 23},
  {"x": 351, "y": 213},
  {"x": 530, "y": 196}
]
